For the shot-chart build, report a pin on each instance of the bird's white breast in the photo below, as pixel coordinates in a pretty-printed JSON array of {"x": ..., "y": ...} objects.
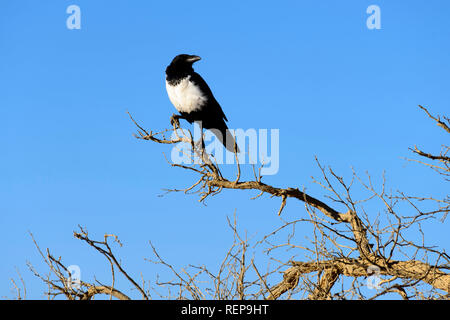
[{"x": 185, "y": 96}]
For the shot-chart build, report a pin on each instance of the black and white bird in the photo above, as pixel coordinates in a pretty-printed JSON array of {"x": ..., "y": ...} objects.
[{"x": 194, "y": 100}]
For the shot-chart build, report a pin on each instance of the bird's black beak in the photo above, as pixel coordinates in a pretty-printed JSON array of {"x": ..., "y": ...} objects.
[{"x": 193, "y": 59}]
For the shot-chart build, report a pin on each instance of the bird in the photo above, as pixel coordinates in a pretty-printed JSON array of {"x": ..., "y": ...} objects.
[{"x": 194, "y": 100}]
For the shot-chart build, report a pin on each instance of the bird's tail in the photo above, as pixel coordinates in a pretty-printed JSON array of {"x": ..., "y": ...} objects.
[{"x": 226, "y": 138}]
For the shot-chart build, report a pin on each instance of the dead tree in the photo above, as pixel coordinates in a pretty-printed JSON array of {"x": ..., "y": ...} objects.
[{"x": 348, "y": 249}]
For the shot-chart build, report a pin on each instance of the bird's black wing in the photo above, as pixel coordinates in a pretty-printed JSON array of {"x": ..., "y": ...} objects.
[
  {"x": 213, "y": 106},
  {"x": 212, "y": 114}
]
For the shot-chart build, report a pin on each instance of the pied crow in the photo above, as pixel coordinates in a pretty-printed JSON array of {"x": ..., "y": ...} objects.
[{"x": 194, "y": 100}]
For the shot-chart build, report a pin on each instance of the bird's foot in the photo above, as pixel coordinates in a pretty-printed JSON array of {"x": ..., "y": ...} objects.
[{"x": 175, "y": 120}]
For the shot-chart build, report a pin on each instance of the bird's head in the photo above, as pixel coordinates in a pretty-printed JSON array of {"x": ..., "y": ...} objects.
[{"x": 183, "y": 62}]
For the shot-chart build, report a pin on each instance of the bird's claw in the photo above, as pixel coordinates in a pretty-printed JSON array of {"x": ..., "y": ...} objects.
[{"x": 174, "y": 121}]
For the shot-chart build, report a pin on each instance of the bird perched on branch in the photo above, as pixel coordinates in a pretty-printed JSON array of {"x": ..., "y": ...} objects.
[{"x": 194, "y": 100}]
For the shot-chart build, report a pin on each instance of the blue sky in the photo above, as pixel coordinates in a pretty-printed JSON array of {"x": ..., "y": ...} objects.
[{"x": 311, "y": 69}]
